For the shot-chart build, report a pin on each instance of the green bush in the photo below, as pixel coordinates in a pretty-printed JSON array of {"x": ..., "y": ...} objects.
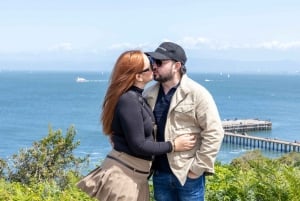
[
  {"x": 254, "y": 177},
  {"x": 48, "y": 171},
  {"x": 3, "y": 166},
  {"x": 43, "y": 191},
  {"x": 49, "y": 159}
]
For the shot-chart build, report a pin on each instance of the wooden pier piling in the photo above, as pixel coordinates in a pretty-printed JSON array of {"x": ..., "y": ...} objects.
[{"x": 262, "y": 143}]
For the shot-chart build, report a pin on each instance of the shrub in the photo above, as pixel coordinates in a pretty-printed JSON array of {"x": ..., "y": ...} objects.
[
  {"x": 254, "y": 177},
  {"x": 3, "y": 166},
  {"x": 43, "y": 191},
  {"x": 48, "y": 159}
]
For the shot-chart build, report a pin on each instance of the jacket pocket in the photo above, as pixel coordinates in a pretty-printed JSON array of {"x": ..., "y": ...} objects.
[
  {"x": 187, "y": 154},
  {"x": 184, "y": 116}
]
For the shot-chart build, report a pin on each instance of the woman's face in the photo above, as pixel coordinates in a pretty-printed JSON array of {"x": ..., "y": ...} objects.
[{"x": 147, "y": 70}]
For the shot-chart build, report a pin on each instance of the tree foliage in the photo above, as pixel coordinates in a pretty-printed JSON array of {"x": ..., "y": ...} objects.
[
  {"x": 49, "y": 171},
  {"x": 3, "y": 166},
  {"x": 48, "y": 159}
]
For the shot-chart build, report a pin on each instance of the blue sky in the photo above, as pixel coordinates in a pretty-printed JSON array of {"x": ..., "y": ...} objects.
[{"x": 98, "y": 31}]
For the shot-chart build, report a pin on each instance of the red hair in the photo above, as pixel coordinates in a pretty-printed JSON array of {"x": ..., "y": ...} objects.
[{"x": 122, "y": 78}]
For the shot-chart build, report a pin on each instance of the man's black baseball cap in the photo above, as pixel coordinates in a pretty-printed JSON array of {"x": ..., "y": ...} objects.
[{"x": 169, "y": 50}]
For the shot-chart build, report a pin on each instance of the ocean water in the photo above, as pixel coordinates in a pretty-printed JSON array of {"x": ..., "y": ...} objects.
[{"x": 30, "y": 102}]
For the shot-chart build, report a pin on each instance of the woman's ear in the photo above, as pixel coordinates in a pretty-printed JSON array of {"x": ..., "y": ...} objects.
[{"x": 139, "y": 77}]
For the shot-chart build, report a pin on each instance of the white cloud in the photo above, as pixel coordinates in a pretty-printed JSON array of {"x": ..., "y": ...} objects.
[
  {"x": 140, "y": 46},
  {"x": 198, "y": 43},
  {"x": 64, "y": 46},
  {"x": 280, "y": 45},
  {"x": 195, "y": 42},
  {"x": 202, "y": 42}
]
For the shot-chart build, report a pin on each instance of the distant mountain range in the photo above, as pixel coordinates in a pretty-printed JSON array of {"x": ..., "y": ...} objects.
[
  {"x": 235, "y": 66},
  {"x": 193, "y": 65}
]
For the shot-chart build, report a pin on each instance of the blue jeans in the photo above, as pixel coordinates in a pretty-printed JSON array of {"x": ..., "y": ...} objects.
[{"x": 167, "y": 188}]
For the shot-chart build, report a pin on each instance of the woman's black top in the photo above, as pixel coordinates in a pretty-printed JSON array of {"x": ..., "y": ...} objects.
[{"x": 132, "y": 127}]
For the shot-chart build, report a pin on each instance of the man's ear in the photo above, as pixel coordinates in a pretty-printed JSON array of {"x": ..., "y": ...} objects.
[{"x": 178, "y": 65}]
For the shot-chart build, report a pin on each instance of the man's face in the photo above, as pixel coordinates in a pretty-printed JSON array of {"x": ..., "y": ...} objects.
[{"x": 163, "y": 70}]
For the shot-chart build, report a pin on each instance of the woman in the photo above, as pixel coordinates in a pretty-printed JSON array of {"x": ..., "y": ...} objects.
[{"x": 129, "y": 123}]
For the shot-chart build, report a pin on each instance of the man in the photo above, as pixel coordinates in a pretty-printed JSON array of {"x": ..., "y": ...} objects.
[{"x": 181, "y": 106}]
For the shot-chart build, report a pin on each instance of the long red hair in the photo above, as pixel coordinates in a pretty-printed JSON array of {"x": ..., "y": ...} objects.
[{"x": 122, "y": 78}]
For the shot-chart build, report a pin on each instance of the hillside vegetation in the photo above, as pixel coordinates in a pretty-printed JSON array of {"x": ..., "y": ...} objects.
[{"x": 48, "y": 171}]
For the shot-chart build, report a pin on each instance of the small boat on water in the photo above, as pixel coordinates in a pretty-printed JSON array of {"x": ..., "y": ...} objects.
[{"x": 81, "y": 79}]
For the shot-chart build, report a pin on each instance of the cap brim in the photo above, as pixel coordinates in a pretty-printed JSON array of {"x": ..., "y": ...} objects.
[{"x": 157, "y": 55}]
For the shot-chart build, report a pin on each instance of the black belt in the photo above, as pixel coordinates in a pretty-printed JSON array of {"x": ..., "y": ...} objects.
[{"x": 126, "y": 165}]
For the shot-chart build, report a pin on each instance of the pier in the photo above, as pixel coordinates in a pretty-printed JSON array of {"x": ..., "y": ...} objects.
[
  {"x": 246, "y": 125},
  {"x": 262, "y": 143},
  {"x": 235, "y": 133}
]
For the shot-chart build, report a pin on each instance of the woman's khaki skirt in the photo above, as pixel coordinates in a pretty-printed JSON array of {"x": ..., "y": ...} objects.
[{"x": 113, "y": 181}]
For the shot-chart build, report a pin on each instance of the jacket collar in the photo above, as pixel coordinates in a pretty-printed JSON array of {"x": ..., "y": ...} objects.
[{"x": 180, "y": 93}]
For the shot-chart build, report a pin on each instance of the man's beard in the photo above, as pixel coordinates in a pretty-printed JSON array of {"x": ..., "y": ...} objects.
[{"x": 164, "y": 78}]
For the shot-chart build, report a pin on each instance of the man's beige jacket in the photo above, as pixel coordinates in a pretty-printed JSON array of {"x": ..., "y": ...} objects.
[{"x": 192, "y": 110}]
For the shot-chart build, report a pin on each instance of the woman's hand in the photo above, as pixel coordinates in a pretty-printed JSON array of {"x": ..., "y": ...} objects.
[{"x": 184, "y": 142}]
